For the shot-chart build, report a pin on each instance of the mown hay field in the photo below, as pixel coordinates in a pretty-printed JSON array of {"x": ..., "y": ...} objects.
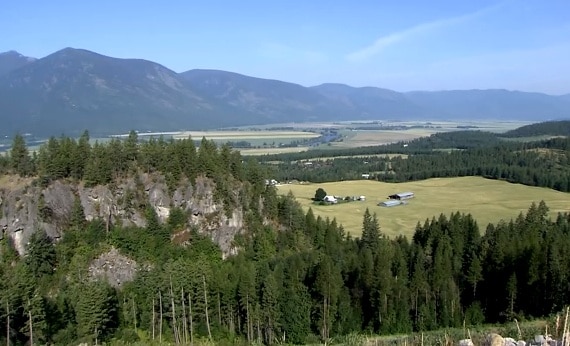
[
  {"x": 270, "y": 151},
  {"x": 489, "y": 201},
  {"x": 366, "y": 138},
  {"x": 245, "y": 135}
]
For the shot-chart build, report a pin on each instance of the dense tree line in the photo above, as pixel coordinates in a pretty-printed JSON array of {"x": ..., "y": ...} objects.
[
  {"x": 541, "y": 163},
  {"x": 298, "y": 278},
  {"x": 443, "y": 141},
  {"x": 548, "y": 128},
  {"x": 101, "y": 162}
]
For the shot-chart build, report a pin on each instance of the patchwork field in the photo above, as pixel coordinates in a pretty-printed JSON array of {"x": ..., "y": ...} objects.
[
  {"x": 262, "y": 141},
  {"x": 268, "y": 136},
  {"x": 366, "y": 138},
  {"x": 488, "y": 201},
  {"x": 246, "y": 135}
]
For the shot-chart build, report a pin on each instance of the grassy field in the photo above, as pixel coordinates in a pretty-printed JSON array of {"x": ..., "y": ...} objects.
[
  {"x": 270, "y": 151},
  {"x": 245, "y": 135},
  {"x": 487, "y": 200},
  {"x": 366, "y": 138}
]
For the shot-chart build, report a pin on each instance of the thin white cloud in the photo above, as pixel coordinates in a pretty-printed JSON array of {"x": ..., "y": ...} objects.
[{"x": 388, "y": 40}]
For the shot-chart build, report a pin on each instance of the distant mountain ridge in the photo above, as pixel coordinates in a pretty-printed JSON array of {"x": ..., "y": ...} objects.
[
  {"x": 75, "y": 89},
  {"x": 13, "y": 60}
]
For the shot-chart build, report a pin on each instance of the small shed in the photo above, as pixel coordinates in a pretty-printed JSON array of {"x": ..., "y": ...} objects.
[
  {"x": 402, "y": 195},
  {"x": 390, "y": 203}
]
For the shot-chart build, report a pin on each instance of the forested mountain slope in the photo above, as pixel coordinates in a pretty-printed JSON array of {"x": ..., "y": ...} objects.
[
  {"x": 13, "y": 60},
  {"x": 549, "y": 128},
  {"x": 74, "y": 89}
]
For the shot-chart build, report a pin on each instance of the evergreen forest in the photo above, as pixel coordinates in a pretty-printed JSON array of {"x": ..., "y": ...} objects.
[
  {"x": 297, "y": 278},
  {"x": 544, "y": 162}
]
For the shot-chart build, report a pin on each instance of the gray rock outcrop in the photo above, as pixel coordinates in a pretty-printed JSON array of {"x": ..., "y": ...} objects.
[
  {"x": 494, "y": 339},
  {"x": 26, "y": 207},
  {"x": 114, "y": 268}
]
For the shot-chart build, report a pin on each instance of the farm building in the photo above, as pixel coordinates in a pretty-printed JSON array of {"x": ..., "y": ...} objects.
[
  {"x": 390, "y": 203},
  {"x": 271, "y": 182},
  {"x": 330, "y": 199},
  {"x": 402, "y": 195}
]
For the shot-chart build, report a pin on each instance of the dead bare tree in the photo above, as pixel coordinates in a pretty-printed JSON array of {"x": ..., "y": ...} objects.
[
  {"x": 219, "y": 310},
  {"x": 174, "y": 327},
  {"x": 160, "y": 320},
  {"x": 206, "y": 302},
  {"x": 184, "y": 320},
  {"x": 259, "y": 337},
  {"x": 191, "y": 322},
  {"x": 7, "y": 324},
  {"x": 134, "y": 314},
  {"x": 231, "y": 318},
  {"x": 565, "y": 331},
  {"x": 249, "y": 336}
]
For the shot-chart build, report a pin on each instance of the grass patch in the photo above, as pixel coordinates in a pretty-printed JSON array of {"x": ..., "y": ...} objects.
[
  {"x": 489, "y": 201},
  {"x": 13, "y": 182}
]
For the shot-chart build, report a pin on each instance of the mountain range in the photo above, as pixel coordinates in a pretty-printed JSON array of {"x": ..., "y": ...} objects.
[{"x": 74, "y": 89}]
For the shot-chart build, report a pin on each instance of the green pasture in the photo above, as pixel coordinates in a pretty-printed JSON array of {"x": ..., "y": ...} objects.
[{"x": 489, "y": 201}]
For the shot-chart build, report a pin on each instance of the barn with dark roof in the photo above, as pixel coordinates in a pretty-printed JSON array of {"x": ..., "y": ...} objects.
[{"x": 402, "y": 196}]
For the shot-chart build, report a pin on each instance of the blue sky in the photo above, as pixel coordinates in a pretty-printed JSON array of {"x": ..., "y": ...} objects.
[{"x": 400, "y": 45}]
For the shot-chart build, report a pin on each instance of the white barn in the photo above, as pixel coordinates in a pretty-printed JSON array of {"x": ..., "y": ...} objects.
[{"x": 330, "y": 199}]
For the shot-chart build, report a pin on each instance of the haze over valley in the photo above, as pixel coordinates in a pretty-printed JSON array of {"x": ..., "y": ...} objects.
[{"x": 74, "y": 89}]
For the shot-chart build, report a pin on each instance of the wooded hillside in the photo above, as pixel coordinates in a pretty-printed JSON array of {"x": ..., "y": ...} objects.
[{"x": 297, "y": 278}]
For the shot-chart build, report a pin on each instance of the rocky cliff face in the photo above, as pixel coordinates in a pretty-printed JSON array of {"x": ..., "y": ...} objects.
[{"x": 26, "y": 207}]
